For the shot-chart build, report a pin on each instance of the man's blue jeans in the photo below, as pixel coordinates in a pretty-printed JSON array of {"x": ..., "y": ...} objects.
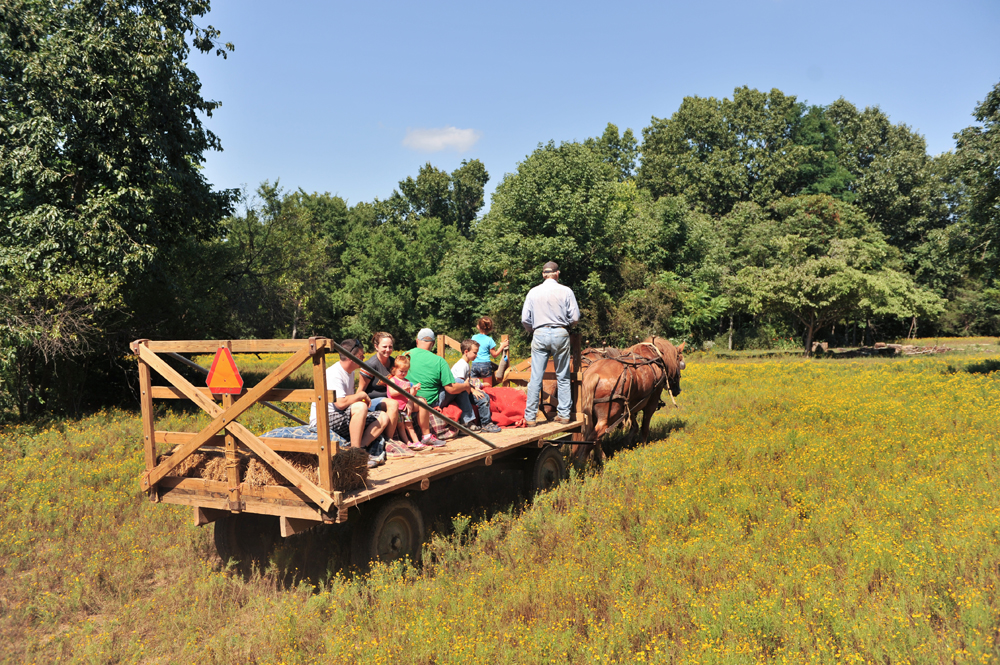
[
  {"x": 465, "y": 404},
  {"x": 548, "y": 342}
]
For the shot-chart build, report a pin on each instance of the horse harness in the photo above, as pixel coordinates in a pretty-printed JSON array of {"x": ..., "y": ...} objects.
[{"x": 631, "y": 362}]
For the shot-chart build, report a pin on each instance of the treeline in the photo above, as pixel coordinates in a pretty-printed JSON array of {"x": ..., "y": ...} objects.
[
  {"x": 738, "y": 221},
  {"x": 745, "y": 222}
]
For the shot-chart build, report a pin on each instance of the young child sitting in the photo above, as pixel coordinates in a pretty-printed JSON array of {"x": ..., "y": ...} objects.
[
  {"x": 482, "y": 367},
  {"x": 461, "y": 370},
  {"x": 404, "y": 428}
]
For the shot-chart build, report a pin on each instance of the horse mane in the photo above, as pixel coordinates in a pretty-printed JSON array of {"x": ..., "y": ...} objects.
[{"x": 671, "y": 354}]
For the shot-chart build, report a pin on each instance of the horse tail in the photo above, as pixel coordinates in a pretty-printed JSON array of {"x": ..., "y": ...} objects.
[{"x": 587, "y": 393}]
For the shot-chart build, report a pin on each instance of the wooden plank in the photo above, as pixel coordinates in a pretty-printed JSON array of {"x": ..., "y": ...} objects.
[
  {"x": 273, "y": 395},
  {"x": 322, "y": 422},
  {"x": 239, "y": 345},
  {"x": 203, "y": 516},
  {"x": 458, "y": 454},
  {"x": 292, "y": 525},
  {"x": 220, "y": 501},
  {"x": 522, "y": 366},
  {"x": 232, "y": 463},
  {"x": 148, "y": 422}
]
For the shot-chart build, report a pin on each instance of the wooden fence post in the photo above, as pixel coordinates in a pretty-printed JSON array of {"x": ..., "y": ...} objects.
[
  {"x": 323, "y": 442},
  {"x": 148, "y": 423}
]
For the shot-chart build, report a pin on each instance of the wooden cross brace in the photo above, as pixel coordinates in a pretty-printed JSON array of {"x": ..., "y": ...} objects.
[{"x": 226, "y": 419}]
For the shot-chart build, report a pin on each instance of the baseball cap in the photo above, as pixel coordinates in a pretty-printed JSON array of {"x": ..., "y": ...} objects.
[
  {"x": 426, "y": 335},
  {"x": 551, "y": 266}
]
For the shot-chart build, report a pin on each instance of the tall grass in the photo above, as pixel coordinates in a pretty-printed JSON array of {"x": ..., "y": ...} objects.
[{"x": 798, "y": 511}]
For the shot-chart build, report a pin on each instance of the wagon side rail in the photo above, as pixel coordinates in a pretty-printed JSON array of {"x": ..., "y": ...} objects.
[{"x": 225, "y": 429}]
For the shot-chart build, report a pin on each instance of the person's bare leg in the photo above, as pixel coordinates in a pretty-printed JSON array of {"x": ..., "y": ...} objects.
[
  {"x": 359, "y": 411},
  {"x": 373, "y": 430},
  {"x": 424, "y": 420},
  {"x": 392, "y": 413},
  {"x": 412, "y": 433}
]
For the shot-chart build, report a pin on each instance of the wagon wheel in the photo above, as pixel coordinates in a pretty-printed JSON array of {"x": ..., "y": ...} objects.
[
  {"x": 248, "y": 538},
  {"x": 394, "y": 531},
  {"x": 545, "y": 470}
]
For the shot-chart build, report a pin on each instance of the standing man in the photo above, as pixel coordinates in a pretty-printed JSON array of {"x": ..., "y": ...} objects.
[{"x": 549, "y": 310}]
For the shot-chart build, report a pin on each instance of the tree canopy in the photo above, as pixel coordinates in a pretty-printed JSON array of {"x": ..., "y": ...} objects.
[
  {"x": 746, "y": 221},
  {"x": 100, "y": 145}
]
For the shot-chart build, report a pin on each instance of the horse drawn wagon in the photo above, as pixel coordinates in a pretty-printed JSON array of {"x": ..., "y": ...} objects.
[{"x": 308, "y": 481}]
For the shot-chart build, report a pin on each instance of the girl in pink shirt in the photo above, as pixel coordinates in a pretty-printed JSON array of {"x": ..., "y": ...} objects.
[{"x": 404, "y": 428}]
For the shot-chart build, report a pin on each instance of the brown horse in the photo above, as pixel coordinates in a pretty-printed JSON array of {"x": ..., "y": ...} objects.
[{"x": 615, "y": 389}]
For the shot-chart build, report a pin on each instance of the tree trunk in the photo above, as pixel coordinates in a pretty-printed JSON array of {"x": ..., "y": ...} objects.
[
  {"x": 730, "y": 332},
  {"x": 810, "y": 329}
]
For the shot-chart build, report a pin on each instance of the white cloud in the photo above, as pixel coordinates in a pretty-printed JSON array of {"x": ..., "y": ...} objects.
[{"x": 444, "y": 138}]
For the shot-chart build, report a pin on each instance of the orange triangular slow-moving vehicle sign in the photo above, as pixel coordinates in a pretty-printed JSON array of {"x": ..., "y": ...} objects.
[{"x": 224, "y": 378}]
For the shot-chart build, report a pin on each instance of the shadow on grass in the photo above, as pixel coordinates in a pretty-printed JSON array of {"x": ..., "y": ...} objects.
[
  {"x": 317, "y": 555},
  {"x": 325, "y": 551},
  {"x": 618, "y": 440},
  {"x": 983, "y": 367}
]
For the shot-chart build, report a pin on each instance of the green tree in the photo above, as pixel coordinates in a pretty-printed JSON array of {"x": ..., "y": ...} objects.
[
  {"x": 718, "y": 153},
  {"x": 820, "y": 260},
  {"x": 890, "y": 170},
  {"x": 820, "y": 171},
  {"x": 564, "y": 204},
  {"x": 455, "y": 199},
  {"x": 978, "y": 152},
  {"x": 279, "y": 258},
  {"x": 100, "y": 149},
  {"x": 386, "y": 271},
  {"x": 619, "y": 150}
]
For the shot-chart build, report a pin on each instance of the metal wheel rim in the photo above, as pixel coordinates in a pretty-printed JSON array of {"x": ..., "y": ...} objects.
[
  {"x": 548, "y": 473},
  {"x": 395, "y": 539}
]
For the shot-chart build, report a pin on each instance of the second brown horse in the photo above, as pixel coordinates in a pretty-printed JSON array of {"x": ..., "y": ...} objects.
[{"x": 616, "y": 388}]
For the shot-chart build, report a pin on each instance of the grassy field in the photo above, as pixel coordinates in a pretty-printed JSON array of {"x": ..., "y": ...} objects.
[{"x": 791, "y": 511}]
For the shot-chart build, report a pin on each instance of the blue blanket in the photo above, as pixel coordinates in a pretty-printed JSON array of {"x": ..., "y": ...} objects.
[{"x": 304, "y": 432}]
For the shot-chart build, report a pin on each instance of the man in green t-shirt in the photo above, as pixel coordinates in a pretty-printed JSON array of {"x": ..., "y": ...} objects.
[{"x": 433, "y": 374}]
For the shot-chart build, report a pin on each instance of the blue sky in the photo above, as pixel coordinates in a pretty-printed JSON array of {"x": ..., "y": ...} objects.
[{"x": 352, "y": 97}]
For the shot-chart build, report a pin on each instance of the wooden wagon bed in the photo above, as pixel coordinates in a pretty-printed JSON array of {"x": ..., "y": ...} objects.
[
  {"x": 417, "y": 472},
  {"x": 302, "y": 502}
]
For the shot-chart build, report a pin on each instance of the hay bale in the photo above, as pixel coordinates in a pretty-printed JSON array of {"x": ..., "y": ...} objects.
[
  {"x": 259, "y": 473},
  {"x": 348, "y": 469},
  {"x": 215, "y": 468},
  {"x": 190, "y": 467}
]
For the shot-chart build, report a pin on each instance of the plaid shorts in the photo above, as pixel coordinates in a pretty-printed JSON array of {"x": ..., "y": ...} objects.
[
  {"x": 340, "y": 422},
  {"x": 440, "y": 427}
]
